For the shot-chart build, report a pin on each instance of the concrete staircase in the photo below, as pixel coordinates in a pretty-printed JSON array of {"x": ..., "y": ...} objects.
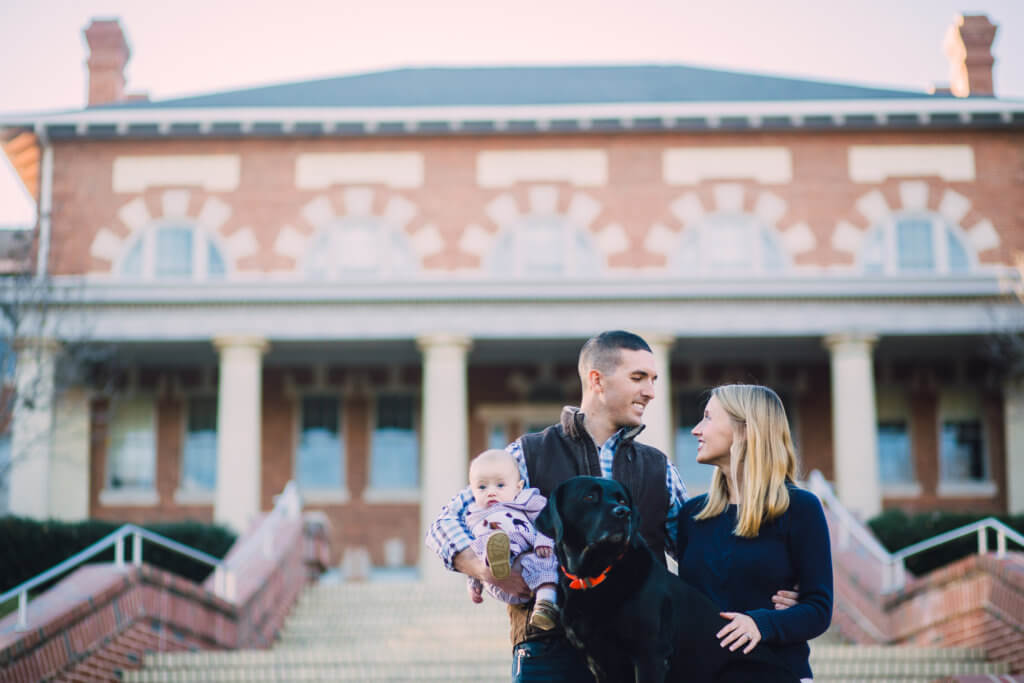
[{"x": 391, "y": 632}]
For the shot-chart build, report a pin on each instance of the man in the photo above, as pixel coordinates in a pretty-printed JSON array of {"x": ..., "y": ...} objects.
[{"x": 618, "y": 375}]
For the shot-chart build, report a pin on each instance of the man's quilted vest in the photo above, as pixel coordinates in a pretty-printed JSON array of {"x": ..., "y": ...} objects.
[{"x": 566, "y": 450}]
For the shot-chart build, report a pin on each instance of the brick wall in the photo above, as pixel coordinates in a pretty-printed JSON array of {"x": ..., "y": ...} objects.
[{"x": 635, "y": 197}]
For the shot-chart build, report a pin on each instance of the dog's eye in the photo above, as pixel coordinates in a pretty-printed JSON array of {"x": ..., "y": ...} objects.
[{"x": 590, "y": 498}]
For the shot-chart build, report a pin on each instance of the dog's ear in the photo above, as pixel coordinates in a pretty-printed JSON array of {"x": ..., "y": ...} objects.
[{"x": 549, "y": 521}]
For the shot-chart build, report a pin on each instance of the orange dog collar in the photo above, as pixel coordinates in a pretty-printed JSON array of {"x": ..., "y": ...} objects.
[{"x": 586, "y": 582}]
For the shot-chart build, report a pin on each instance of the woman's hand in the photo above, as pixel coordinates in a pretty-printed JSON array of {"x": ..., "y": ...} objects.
[{"x": 739, "y": 632}]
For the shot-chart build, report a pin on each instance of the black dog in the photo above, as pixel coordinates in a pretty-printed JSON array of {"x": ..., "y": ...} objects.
[{"x": 632, "y": 618}]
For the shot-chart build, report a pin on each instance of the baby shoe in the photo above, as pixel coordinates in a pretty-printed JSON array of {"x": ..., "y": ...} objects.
[
  {"x": 497, "y": 554},
  {"x": 544, "y": 615}
]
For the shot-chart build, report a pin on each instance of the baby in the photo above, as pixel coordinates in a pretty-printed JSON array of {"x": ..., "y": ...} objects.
[{"x": 501, "y": 519}]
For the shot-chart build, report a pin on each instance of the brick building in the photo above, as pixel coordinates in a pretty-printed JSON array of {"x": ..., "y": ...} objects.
[{"x": 357, "y": 282}]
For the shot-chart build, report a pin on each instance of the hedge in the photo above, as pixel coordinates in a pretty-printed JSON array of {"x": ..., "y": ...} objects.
[
  {"x": 897, "y": 530},
  {"x": 29, "y": 547}
]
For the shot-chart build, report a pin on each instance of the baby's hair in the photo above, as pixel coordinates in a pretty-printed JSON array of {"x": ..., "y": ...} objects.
[{"x": 495, "y": 455}]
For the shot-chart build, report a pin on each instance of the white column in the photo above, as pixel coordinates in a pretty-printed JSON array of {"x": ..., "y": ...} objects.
[
  {"x": 445, "y": 433},
  {"x": 854, "y": 424},
  {"x": 69, "y": 472},
  {"x": 659, "y": 426},
  {"x": 32, "y": 428},
  {"x": 1013, "y": 407},
  {"x": 239, "y": 427}
]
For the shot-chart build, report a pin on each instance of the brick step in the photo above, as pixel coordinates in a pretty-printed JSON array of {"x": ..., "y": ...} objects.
[
  {"x": 843, "y": 679},
  {"x": 392, "y": 653},
  {"x": 375, "y": 673},
  {"x": 904, "y": 668},
  {"x": 891, "y": 652}
]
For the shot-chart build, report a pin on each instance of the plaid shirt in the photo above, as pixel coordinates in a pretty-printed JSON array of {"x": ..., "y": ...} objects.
[{"x": 449, "y": 535}]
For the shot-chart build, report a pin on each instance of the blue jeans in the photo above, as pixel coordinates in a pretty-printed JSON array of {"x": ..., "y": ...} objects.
[{"x": 549, "y": 660}]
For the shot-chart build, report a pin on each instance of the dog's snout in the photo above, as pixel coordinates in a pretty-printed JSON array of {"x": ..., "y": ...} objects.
[{"x": 621, "y": 511}]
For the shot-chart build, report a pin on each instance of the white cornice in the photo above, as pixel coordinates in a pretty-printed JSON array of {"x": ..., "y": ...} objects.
[
  {"x": 993, "y": 285},
  {"x": 584, "y": 116}
]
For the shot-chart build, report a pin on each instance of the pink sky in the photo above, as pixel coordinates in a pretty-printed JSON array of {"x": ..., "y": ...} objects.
[{"x": 193, "y": 46}]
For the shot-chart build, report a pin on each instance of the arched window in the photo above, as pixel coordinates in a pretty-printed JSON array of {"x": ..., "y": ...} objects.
[
  {"x": 915, "y": 243},
  {"x": 359, "y": 246},
  {"x": 544, "y": 245},
  {"x": 729, "y": 243},
  {"x": 173, "y": 251}
]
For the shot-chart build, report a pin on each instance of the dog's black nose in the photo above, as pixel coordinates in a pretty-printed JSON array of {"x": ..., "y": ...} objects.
[{"x": 621, "y": 511}]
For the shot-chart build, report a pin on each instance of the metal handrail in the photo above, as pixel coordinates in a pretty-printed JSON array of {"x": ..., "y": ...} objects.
[
  {"x": 818, "y": 485},
  {"x": 115, "y": 539},
  {"x": 287, "y": 504},
  {"x": 894, "y": 569},
  {"x": 981, "y": 526}
]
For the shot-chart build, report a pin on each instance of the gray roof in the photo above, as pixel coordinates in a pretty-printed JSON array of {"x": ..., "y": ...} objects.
[{"x": 531, "y": 85}]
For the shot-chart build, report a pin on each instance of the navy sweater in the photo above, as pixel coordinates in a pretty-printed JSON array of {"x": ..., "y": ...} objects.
[{"x": 742, "y": 574}]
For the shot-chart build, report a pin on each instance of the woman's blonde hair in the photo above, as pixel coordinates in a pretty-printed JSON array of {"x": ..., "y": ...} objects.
[{"x": 763, "y": 458}]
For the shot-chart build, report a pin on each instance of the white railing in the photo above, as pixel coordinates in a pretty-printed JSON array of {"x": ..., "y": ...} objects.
[
  {"x": 287, "y": 505},
  {"x": 893, "y": 565}
]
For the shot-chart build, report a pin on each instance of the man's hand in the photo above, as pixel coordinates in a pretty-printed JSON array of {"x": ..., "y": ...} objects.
[
  {"x": 475, "y": 592},
  {"x": 468, "y": 563},
  {"x": 786, "y": 599},
  {"x": 542, "y": 551}
]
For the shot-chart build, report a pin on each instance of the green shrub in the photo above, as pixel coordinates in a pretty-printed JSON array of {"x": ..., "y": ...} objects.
[
  {"x": 29, "y": 547},
  {"x": 897, "y": 530}
]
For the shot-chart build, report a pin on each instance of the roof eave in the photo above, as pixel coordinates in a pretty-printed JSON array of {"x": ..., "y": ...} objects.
[{"x": 622, "y": 117}]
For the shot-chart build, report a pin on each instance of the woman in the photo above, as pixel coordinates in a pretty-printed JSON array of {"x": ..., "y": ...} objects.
[{"x": 755, "y": 530}]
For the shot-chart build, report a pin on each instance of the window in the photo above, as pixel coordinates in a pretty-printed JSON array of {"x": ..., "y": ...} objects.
[
  {"x": 497, "y": 436},
  {"x": 131, "y": 446},
  {"x": 354, "y": 247},
  {"x": 915, "y": 243},
  {"x": 199, "y": 458},
  {"x": 962, "y": 451},
  {"x": 894, "y": 457},
  {"x": 963, "y": 461},
  {"x": 321, "y": 455},
  {"x": 8, "y": 357},
  {"x": 173, "y": 252},
  {"x": 395, "y": 451},
  {"x": 544, "y": 245},
  {"x": 729, "y": 243},
  {"x": 690, "y": 411},
  {"x": 5, "y": 471}
]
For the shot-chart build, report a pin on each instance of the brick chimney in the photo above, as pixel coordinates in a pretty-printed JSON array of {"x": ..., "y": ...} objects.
[
  {"x": 108, "y": 55},
  {"x": 969, "y": 48}
]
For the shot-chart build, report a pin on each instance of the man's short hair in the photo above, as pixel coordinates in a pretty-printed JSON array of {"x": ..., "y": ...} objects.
[{"x": 602, "y": 351}]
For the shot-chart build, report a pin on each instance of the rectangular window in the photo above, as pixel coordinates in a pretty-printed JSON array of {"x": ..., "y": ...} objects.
[
  {"x": 395, "y": 452},
  {"x": 962, "y": 451},
  {"x": 199, "y": 459},
  {"x": 7, "y": 360},
  {"x": 914, "y": 245},
  {"x": 321, "y": 455},
  {"x": 497, "y": 436},
  {"x": 5, "y": 470},
  {"x": 131, "y": 446},
  {"x": 690, "y": 411},
  {"x": 895, "y": 463}
]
